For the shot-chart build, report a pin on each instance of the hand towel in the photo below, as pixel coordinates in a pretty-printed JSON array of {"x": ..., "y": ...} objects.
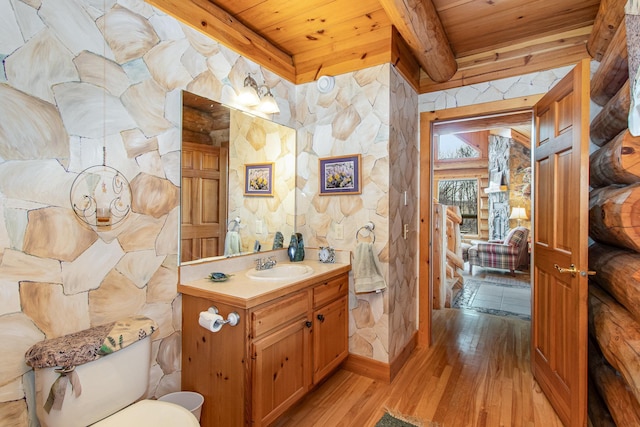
[
  {"x": 232, "y": 243},
  {"x": 366, "y": 270}
]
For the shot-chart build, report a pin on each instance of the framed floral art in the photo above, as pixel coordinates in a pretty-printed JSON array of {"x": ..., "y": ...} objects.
[
  {"x": 340, "y": 175},
  {"x": 258, "y": 179}
]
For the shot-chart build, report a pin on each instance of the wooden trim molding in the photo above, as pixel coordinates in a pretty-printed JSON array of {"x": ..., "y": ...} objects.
[
  {"x": 377, "y": 370},
  {"x": 402, "y": 357},
  {"x": 210, "y": 19},
  {"x": 369, "y": 368}
]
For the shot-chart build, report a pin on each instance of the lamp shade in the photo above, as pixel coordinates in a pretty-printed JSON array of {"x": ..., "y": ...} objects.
[
  {"x": 248, "y": 96},
  {"x": 268, "y": 104},
  {"x": 518, "y": 213}
]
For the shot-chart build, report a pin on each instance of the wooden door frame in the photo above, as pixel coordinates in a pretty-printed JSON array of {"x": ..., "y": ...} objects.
[{"x": 427, "y": 119}]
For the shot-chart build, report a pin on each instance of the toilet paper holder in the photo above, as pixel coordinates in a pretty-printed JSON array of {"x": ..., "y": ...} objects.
[{"x": 232, "y": 318}]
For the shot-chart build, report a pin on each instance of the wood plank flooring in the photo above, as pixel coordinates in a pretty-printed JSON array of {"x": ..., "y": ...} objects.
[{"x": 476, "y": 374}]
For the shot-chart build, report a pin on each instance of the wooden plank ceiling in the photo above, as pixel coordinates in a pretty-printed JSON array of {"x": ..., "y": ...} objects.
[{"x": 300, "y": 40}]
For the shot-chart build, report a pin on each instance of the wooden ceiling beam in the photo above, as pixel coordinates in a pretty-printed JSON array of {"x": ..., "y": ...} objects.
[
  {"x": 525, "y": 64},
  {"x": 419, "y": 24},
  {"x": 402, "y": 58},
  {"x": 210, "y": 19},
  {"x": 610, "y": 15}
]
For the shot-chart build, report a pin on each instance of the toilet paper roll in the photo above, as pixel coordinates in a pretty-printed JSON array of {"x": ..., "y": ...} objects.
[{"x": 210, "y": 321}]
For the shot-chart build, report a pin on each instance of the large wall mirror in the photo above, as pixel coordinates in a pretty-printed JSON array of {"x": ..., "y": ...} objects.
[{"x": 238, "y": 181}]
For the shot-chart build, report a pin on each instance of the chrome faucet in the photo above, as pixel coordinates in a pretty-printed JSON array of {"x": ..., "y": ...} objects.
[{"x": 265, "y": 263}]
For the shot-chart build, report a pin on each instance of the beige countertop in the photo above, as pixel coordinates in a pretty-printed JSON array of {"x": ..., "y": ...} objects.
[{"x": 245, "y": 292}]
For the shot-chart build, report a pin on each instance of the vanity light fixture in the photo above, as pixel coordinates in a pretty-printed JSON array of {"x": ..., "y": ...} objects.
[{"x": 259, "y": 97}]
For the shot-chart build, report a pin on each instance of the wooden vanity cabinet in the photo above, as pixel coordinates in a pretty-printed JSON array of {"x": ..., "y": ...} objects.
[
  {"x": 251, "y": 373},
  {"x": 280, "y": 356},
  {"x": 330, "y": 326}
]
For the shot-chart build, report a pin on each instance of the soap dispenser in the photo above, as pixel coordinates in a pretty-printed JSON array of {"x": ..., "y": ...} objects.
[{"x": 293, "y": 247}]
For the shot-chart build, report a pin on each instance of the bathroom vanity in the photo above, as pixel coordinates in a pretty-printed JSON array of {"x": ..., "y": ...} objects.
[{"x": 292, "y": 333}]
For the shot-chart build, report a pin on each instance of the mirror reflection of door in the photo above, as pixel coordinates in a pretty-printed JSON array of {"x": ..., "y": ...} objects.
[{"x": 205, "y": 156}]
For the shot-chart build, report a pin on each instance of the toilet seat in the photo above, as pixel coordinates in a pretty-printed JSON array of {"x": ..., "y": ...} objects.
[{"x": 150, "y": 413}]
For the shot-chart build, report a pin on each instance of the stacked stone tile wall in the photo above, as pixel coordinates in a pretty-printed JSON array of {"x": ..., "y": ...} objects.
[
  {"x": 520, "y": 181},
  {"x": 499, "y": 160},
  {"x": 497, "y": 90},
  {"x": 404, "y": 157},
  {"x": 351, "y": 119},
  {"x": 356, "y": 118}
]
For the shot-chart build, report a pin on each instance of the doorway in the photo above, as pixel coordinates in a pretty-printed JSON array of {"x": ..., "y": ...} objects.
[
  {"x": 559, "y": 309},
  {"x": 500, "y": 114},
  {"x": 481, "y": 171}
]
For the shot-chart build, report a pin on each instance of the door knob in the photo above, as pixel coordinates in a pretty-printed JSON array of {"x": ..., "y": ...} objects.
[
  {"x": 573, "y": 270},
  {"x": 308, "y": 324},
  {"x": 321, "y": 317}
]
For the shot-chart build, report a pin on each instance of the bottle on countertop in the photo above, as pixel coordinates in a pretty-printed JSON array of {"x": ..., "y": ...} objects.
[
  {"x": 299, "y": 255},
  {"x": 293, "y": 247},
  {"x": 278, "y": 240}
]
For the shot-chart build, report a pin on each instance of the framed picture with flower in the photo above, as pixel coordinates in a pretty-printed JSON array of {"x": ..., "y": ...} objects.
[
  {"x": 340, "y": 175},
  {"x": 258, "y": 179}
]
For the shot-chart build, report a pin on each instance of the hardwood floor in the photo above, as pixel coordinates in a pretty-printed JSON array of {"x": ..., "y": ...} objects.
[{"x": 475, "y": 374}]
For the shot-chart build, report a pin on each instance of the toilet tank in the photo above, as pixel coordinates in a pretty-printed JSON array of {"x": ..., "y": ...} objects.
[{"x": 109, "y": 384}]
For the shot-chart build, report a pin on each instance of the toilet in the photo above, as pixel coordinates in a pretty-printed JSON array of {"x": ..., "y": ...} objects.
[{"x": 111, "y": 387}]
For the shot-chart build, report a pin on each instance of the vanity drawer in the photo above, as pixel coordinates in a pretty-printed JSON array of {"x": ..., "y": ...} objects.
[
  {"x": 330, "y": 289},
  {"x": 279, "y": 313}
]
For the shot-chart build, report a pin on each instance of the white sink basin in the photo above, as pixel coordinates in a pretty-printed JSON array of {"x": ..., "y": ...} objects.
[{"x": 281, "y": 272}]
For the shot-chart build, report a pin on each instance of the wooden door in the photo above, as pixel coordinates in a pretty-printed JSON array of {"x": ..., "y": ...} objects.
[
  {"x": 559, "y": 328},
  {"x": 204, "y": 201}
]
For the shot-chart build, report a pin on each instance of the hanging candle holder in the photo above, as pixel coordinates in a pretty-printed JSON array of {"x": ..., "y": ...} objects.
[{"x": 101, "y": 196}]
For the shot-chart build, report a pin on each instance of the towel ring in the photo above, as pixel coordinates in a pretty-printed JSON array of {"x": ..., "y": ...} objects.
[
  {"x": 369, "y": 227},
  {"x": 233, "y": 224}
]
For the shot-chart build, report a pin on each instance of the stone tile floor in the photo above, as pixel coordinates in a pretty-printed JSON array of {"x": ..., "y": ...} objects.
[
  {"x": 497, "y": 297},
  {"x": 496, "y": 291}
]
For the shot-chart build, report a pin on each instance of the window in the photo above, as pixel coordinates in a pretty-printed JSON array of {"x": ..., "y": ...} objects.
[
  {"x": 462, "y": 193},
  {"x": 450, "y": 147}
]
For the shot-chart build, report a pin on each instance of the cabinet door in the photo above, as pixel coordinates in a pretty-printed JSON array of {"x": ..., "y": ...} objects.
[
  {"x": 330, "y": 338},
  {"x": 280, "y": 371}
]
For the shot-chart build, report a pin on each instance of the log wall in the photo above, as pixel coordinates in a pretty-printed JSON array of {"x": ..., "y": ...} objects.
[
  {"x": 447, "y": 255},
  {"x": 614, "y": 225}
]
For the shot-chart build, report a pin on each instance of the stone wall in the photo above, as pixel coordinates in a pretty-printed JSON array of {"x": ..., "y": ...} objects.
[
  {"x": 514, "y": 160},
  {"x": 520, "y": 181},
  {"x": 499, "y": 160},
  {"x": 496, "y": 90},
  {"x": 372, "y": 112},
  {"x": 75, "y": 78},
  {"x": 404, "y": 165}
]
